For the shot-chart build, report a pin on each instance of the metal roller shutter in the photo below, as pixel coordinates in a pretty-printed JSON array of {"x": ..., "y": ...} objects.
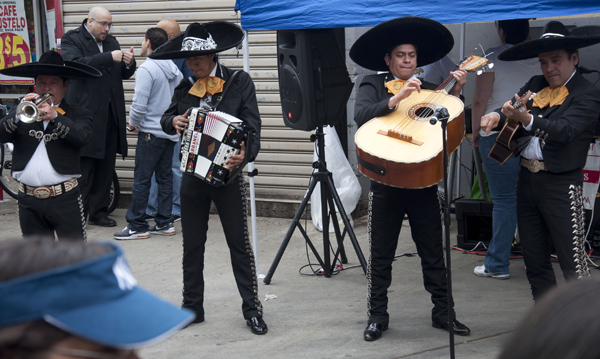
[{"x": 284, "y": 164}]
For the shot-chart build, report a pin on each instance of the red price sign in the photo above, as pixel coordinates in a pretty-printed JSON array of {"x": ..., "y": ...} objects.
[{"x": 14, "y": 50}]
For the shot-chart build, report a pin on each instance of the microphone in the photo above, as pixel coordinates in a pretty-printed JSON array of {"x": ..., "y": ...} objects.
[{"x": 440, "y": 113}]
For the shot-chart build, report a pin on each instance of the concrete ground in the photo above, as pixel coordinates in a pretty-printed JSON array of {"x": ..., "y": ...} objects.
[{"x": 312, "y": 316}]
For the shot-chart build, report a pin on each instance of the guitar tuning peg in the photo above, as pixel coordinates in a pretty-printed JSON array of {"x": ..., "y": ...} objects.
[
  {"x": 491, "y": 65},
  {"x": 479, "y": 72}
]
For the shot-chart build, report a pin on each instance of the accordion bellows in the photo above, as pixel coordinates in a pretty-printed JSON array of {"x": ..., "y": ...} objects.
[{"x": 211, "y": 137}]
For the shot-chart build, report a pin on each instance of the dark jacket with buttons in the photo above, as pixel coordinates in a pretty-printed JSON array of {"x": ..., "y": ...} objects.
[
  {"x": 566, "y": 129},
  {"x": 64, "y": 138},
  {"x": 98, "y": 94}
]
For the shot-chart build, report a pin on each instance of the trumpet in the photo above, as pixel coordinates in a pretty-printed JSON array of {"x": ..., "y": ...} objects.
[{"x": 28, "y": 111}]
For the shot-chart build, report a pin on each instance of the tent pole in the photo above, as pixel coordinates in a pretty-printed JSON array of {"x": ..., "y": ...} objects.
[{"x": 246, "y": 56}]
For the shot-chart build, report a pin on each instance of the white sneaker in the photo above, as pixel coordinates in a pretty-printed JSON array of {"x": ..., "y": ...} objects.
[
  {"x": 128, "y": 233},
  {"x": 482, "y": 272},
  {"x": 166, "y": 230}
]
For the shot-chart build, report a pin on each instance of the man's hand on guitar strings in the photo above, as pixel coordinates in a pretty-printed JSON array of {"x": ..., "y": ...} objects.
[{"x": 412, "y": 85}]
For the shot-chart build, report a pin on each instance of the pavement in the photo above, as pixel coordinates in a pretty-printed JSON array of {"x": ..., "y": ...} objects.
[{"x": 312, "y": 316}]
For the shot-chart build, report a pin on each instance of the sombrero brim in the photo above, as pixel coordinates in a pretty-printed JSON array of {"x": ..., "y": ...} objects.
[
  {"x": 71, "y": 70},
  {"x": 531, "y": 49},
  {"x": 432, "y": 39},
  {"x": 226, "y": 35},
  {"x": 586, "y": 31}
]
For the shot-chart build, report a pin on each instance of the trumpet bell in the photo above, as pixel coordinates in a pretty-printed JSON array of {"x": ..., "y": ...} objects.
[{"x": 28, "y": 111}]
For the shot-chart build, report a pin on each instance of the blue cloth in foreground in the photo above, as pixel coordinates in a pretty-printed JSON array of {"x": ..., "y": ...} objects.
[{"x": 97, "y": 299}]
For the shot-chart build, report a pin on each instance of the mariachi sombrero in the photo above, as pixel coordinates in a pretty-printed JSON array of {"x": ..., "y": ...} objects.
[
  {"x": 51, "y": 63},
  {"x": 200, "y": 39},
  {"x": 432, "y": 40},
  {"x": 555, "y": 36}
]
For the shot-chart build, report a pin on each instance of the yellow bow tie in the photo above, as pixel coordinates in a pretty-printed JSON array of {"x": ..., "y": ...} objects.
[
  {"x": 395, "y": 86},
  {"x": 550, "y": 96},
  {"x": 209, "y": 84},
  {"x": 59, "y": 110}
]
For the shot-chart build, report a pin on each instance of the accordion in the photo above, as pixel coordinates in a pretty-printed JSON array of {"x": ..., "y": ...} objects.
[{"x": 212, "y": 136}]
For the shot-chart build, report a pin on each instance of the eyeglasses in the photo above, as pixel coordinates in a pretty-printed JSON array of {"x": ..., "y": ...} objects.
[
  {"x": 109, "y": 353},
  {"x": 103, "y": 23}
]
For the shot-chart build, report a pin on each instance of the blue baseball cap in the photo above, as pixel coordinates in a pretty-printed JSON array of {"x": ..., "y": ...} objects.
[{"x": 97, "y": 299}]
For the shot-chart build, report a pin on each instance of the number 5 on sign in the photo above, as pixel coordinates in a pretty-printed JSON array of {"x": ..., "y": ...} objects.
[{"x": 14, "y": 49}]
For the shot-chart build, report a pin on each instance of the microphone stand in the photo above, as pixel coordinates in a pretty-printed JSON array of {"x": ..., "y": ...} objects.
[{"x": 443, "y": 119}]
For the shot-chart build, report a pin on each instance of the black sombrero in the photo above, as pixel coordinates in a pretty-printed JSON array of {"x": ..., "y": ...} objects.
[
  {"x": 432, "y": 40},
  {"x": 200, "y": 39},
  {"x": 51, "y": 63},
  {"x": 555, "y": 36},
  {"x": 587, "y": 30}
]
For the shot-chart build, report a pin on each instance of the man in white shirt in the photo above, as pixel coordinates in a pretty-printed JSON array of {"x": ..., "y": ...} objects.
[{"x": 47, "y": 149}]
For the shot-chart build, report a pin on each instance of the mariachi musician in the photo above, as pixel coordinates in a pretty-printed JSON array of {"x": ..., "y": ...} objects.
[
  {"x": 200, "y": 45},
  {"x": 47, "y": 150},
  {"x": 399, "y": 46},
  {"x": 559, "y": 122}
]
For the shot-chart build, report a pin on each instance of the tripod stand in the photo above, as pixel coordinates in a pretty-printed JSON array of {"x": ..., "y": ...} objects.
[{"x": 329, "y": 196}]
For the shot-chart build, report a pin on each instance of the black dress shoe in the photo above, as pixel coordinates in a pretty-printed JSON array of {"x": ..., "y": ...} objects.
[
  {"x": 257, "y": 325},
  {"x": 459, "y": 328},
  {"x": 199, "y": 319},
  {"x": 104, "y": 222},
  {"x": 374, "y": 331}
]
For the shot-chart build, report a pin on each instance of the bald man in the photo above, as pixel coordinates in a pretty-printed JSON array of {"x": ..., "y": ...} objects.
[
  {"x": 172, "y": 28},
  {"x": 91, "y": 44}
]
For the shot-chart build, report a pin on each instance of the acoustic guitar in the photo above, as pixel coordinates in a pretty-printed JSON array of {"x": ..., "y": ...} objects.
[
  {"x": 402, "y": 149},
  {"x": 506, "y": 143}
]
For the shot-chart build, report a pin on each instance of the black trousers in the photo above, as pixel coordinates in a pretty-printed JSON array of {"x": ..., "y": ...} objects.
[
  {"x": 97, "y": 174},
  {"x": 387, "y": 207},
  {"x": 230, "y": 200},
  {"x": 62, "y": 214},
  {"x": 550, "y": 215}
]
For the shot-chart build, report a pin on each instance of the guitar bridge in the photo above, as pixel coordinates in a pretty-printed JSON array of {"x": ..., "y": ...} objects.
[{"x": 400, "y": 136}]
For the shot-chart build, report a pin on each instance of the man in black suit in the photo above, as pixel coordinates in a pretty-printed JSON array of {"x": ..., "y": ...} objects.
[
  {"x": 91, "y": 44},
  {"x": 47, "y": 150},
  {"x": 560, "y": 124},
  {"x": 398, "y": 46}
]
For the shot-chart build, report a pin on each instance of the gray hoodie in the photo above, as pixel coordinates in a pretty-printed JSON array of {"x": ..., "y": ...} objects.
[{"x": 155, "y": 81}]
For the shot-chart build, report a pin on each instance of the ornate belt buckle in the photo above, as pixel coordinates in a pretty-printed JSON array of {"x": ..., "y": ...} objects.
[
  {"x": 536, "y": 166},
  {"x": 41, "y": 192}
]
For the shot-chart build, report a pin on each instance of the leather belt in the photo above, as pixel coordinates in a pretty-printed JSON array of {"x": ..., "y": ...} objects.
[
  {"x": 43, "y": 192},
  {"x": 534, "y": 166}
]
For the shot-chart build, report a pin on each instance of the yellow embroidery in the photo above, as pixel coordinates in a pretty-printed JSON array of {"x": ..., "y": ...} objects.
[
  {"x": 395, "y": 86},
  {"x": 209, "y": 84},
  {"x": 59, "y": 110},
  {"x": 549, "y": 96}
]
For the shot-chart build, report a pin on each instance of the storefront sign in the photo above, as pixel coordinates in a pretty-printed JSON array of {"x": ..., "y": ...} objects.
[{"x": 14, "y": 40}]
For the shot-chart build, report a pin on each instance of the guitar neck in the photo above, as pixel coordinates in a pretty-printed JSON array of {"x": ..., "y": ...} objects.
[{"x": 448, "y": 84}]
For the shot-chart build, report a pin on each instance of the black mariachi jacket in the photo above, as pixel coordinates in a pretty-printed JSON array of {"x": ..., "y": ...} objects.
[
  {"x": 240, "y": 101},
  {"x": 64, "y": 138},
  {"x": 567, "y": 129}
]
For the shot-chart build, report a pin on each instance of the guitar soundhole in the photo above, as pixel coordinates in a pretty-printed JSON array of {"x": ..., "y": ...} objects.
[{"x": 421, "y": 111}]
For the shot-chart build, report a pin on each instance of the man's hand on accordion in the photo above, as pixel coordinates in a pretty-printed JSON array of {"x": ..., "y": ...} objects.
[
  {"x": 235, "y": 160},
  {"x": 180, "y": 122}
]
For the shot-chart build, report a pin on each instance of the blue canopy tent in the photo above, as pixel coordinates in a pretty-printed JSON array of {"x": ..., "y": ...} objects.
[
  {"x": 314, "y": 14},
  {"x": 322, "y": 14}
]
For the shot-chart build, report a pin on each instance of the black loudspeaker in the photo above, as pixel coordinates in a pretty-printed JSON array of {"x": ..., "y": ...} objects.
[
  {"x": 474, "y": 222},
  {"x": 313, "y": 80}
]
